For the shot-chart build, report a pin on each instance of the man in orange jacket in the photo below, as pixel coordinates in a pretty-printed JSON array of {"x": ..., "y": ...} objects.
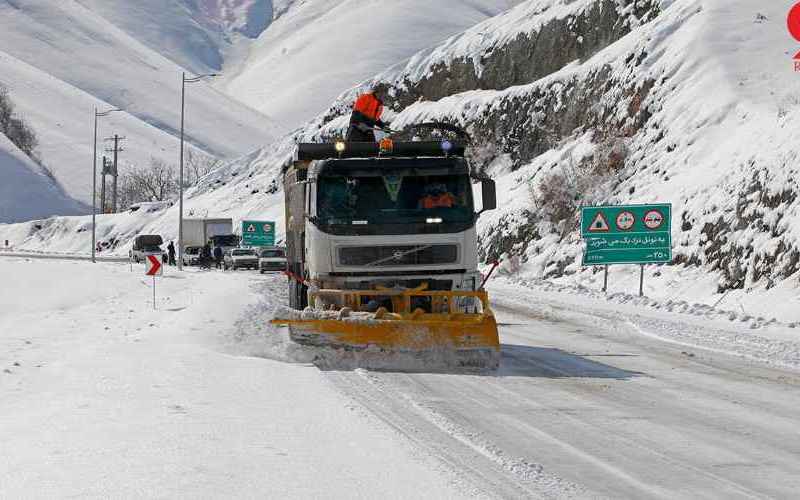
[{"x": 368, "y": 112}]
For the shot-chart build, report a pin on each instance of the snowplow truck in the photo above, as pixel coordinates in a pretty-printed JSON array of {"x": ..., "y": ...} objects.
[{"x": 382, "y": 251}]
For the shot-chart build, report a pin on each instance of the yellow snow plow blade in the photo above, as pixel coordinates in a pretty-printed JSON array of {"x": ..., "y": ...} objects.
[{"x": 450, "y": 333}]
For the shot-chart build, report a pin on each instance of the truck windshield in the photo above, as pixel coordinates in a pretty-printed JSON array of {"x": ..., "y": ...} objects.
[
  {"x": 227, "y": 240},
  {"x": 394, "y": 199}
]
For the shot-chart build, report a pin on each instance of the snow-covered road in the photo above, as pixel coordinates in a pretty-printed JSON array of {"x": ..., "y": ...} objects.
[
  {"x": 585, "y": 408},
  {"x": 100, "y": 396}
]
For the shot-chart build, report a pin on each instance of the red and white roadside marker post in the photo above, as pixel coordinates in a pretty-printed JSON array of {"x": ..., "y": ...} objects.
[{"x": 153, "y": 267}]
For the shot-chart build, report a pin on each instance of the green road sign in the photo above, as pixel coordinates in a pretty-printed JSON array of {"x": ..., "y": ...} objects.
[
  {"x": 256, "y": 233},
  {"x": 632, "y": 234}
]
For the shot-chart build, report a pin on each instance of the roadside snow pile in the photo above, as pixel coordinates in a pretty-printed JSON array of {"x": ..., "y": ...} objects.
[
  {"x": 73, "y": 235},
  {"x": 310, "y": 314},
  {"x": 765, "y": 341}
]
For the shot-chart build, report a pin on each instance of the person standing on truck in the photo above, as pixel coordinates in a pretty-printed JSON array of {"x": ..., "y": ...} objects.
[
  {"x": 368, "y": 113},
  {"x": 171, "y": 251},
  {"x": 218, "y": 257}
]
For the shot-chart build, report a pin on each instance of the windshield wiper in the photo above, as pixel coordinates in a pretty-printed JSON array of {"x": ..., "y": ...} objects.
[{"x": 398, "y": 256}]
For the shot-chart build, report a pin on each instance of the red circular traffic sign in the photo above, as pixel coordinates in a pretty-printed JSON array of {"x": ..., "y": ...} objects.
[
  {"x": 653, "y": 219},
  {"x": 793, "y": 22}
]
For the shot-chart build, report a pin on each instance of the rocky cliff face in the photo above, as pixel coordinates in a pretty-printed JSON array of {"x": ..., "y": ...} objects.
[{"x": 612, "y": 101}]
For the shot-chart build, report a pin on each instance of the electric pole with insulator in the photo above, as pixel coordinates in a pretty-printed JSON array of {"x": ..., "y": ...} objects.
[{"x": 116, "y": 149}]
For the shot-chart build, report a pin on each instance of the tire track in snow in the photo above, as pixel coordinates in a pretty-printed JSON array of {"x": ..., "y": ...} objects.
[{"x": 463, "y": 449}]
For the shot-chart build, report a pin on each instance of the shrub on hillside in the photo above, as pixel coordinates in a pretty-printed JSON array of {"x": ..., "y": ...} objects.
[{"x": 15, "y": 128}]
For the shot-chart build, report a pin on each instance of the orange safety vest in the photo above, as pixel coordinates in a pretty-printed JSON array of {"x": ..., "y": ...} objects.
[
  {"x": 369, "y": 106},
  {"x": 444, "y": 200}
]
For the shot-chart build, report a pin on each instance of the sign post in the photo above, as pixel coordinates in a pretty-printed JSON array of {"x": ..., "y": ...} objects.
[
  {"x": 153, "y": 267},
  {"x": 258, "y": 233},
  {"x": 629, "y": 234}
]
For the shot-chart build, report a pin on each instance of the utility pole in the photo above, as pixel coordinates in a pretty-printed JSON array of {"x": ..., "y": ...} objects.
[
  {"x": 184, "y": 81},
  {"x": 97, "y": 115},
  {"x": 103, "y": 173},
  {"x": 116, "y": 149}
]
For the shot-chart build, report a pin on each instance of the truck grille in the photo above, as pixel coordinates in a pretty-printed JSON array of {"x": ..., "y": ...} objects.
[{"x": 391, "y": 256}]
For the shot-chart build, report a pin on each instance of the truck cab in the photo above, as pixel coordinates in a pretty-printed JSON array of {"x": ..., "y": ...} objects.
[{"x": 360, "y": 217}]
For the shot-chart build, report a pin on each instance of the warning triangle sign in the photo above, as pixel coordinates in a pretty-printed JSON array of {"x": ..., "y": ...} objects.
[
  {"x": 251, "y": 228},
  {"x": 599, "y": 224}
]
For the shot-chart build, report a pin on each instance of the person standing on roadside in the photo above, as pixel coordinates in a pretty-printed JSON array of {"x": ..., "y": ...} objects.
[
  {"x": 171, "y": 251},
  {"x": 218, "y": 257}
]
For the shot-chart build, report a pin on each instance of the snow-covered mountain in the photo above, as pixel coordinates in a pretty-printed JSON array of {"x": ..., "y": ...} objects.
[
  {"x": 26, "y": 191},
  {"x": 200, "y": 35},
  {"x": 316, "y": 49},
  {"x": 60, "y": 60}
]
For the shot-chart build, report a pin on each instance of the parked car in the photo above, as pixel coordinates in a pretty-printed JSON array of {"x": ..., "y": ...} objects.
[
  {"x": 144, "y": 245},
  {"x": 271, "y": 259},
  {"x": 191, "y": 256},
  {"x": 239, "y": 258}
]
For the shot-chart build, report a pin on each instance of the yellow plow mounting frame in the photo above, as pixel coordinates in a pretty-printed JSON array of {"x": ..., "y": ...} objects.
[{"x": 447, "y": 330}]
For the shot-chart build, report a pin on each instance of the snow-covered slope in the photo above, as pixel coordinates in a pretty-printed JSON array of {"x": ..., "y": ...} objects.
[
  {"x": 318, "y": 48},
  {"x": 197, "y": 34},
  {"x": 26, "y": 192},
  {"x": 70, "y": 53},
  {"x": 64, "y": 126}
]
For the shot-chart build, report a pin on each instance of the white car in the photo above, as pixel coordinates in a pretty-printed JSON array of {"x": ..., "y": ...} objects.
[
  {"x": 271, "y": 259},
  {"x": 239, "y": 258}
]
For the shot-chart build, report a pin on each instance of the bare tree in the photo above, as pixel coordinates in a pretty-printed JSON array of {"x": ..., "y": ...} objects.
[
  {"x": 15, "y": 128},
  {"x": 155, "y": 182},
  {"x": 198, "y": 165},
  {"x": 6, "y": 109}
]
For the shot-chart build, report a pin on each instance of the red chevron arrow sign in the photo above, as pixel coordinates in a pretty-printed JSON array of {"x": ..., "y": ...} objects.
[{"x": 152, "y": 266}]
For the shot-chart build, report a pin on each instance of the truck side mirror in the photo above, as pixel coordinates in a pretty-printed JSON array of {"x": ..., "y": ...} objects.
[{"x": 488, "y": 195}]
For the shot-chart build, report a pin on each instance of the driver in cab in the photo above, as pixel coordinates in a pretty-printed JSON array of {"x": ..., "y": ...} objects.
[{"x": 437, "y": 196}]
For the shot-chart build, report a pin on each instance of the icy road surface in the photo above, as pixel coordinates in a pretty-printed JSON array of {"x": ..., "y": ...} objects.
[
  {"x": 592, "y": 406},
  {"x": 102, "y": 397}
]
